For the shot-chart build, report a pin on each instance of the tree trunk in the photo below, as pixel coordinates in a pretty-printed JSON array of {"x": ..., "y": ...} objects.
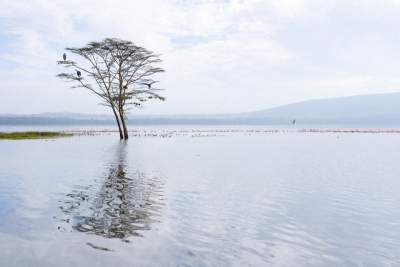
[
  {"x": 121, "y": 136},
  {"x": 121, "y": 102},
  {"x": 122, "y": 116},
  {"x": 126, "y": 135}
]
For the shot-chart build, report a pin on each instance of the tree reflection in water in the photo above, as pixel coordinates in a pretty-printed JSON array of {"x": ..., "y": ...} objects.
[{"x": 125, "y": 203}]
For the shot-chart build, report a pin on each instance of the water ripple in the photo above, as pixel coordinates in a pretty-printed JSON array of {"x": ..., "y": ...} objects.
[{"x": 123, "y": 204}]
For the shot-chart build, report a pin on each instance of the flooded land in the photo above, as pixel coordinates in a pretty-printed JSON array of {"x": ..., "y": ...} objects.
[{"x": 202, "y": 197}]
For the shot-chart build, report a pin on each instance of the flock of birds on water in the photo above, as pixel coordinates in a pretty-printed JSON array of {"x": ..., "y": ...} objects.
[{"x": 224, "y": 132}]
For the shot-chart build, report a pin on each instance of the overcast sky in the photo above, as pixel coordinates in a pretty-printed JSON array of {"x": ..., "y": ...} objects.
[{"x": 219, "y": 56}]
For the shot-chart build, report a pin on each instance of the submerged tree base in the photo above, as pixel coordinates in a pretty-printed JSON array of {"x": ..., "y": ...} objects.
[{"x": 32, "y": 135}]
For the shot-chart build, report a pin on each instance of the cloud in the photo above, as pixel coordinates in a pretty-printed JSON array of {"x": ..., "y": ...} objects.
[{"x": 220, "y": 56}]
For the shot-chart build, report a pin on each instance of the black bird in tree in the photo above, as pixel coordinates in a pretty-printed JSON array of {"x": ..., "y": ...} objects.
[
  {"x": 65, "y": 56},
  {"x": 149, "y": 84},
  {"x": 78, "y": 73}
]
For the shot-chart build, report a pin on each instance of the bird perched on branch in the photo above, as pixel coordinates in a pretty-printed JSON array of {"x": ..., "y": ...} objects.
[
  {"x": 78, "y": 73},
  {"x": 65, "y": 56}
]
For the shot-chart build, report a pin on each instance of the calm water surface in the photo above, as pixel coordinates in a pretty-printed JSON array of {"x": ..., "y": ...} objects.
[{"x": 209, "y": 199}]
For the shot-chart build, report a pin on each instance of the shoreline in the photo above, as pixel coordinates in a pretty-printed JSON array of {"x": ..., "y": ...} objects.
[{"x": 33, "y": 135}]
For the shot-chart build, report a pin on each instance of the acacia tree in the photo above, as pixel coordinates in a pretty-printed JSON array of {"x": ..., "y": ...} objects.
[{"x": 118, "y": 72}]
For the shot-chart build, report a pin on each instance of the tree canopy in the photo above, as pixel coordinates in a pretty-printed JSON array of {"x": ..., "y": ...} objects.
[{"x": 117, "y": 71}]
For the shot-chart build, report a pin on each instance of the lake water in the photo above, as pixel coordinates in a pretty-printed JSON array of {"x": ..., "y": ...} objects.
[{"x": 209, "y": 198}]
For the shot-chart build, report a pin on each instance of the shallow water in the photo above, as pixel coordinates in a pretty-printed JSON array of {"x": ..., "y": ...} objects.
[{"x": 201, "y": 199}]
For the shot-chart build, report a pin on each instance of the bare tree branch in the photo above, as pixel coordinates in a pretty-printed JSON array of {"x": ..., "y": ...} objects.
[{"x": 117, "y": 71}]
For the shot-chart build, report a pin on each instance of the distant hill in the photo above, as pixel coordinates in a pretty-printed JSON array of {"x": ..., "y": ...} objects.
[
  {"x": 378, "y": 109},
  {"x": 342, "y": 107},
  {"x": 362, "y": 109}
]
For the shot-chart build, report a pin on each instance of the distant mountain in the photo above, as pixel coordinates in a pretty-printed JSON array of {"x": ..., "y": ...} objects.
[
  {"x": 75, "y": 116},
  {"x": 343, "y": 107},
  {"x": 378, "y": 109}
]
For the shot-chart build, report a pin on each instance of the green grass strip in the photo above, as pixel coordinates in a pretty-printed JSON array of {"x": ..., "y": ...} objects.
[{"x": 32, "y": 135}]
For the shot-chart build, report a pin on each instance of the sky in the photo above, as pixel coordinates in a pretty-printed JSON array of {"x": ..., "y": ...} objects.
[{"x": 220, "y": 56}]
